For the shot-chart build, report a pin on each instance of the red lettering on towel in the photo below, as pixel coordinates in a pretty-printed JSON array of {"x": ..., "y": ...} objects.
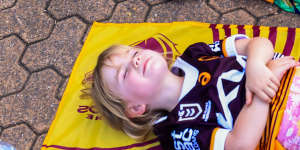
[
  {"x": 83, "y": 109},
  {"x": 90, "y": 111}
]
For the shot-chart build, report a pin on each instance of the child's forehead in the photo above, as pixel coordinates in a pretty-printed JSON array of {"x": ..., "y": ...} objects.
[
  {"x": 116, "y": 54},
  {"x": 122, "y": 51},
  {"x": 119, "y": 51}
]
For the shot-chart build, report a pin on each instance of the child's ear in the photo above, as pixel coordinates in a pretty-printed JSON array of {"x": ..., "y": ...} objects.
[{"x": 135, "y": 110}]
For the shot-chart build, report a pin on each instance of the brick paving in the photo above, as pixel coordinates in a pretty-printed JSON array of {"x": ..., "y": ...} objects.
[{"x": 40, "y": 40}]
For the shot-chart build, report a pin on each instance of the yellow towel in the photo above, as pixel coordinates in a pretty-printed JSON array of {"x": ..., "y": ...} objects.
[{"x": 77, "y": 124}]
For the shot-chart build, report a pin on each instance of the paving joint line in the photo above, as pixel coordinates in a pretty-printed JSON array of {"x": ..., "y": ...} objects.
[
  {"x": 247, "y": 11},
  {"x": 48, "y": 12},
  {"x": 116, "y": 1},
  {"x": 22, "y": 66},
  {"x": 33, "y": 142},
  {"x": 163, "y": 2},
  {"x": 111, "y": 13},
  {"x": 18, "y": 91},
  {"x": 21, "y": 58},
  {"x": 148, "y": 13},
  {"x": 61, "y": 82},
  {"x": 270, "y": 15},
  {"x": 239, "y": 8},
  {"x": 85, "y": 34},
  {"x": 1, "y": 130},
  {"x": 82, "y": 19},
  {"x": 14, "y": 34},
  {"x": 52, "y": 67},
  {"x": 255, "y": 18},
  {"x": 47, "y": 4},
  {"x": 59, "y": 88},
  {"x": 68, "y": 16},
  {"x": 13, "y": 5},
  {"x": 36, "y": 138},
  {"x": 20, "y": 123},
  {"x": 47, "y": 37},
  {"x": 213, "y": 8},
  {"x": 145, "y": 2}
]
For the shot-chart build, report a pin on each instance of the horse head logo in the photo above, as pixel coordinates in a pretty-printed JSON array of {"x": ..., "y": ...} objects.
[{"x": 161, "y": 44}]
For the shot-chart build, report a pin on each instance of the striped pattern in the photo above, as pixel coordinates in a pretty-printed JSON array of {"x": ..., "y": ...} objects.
[
  {"x": 278, "y": 104},
  {"x": 241, "y": 29},
  {"x": 215, "y": 32},
  {"x": 212, "y": 140},
  {"x": 283, "y": 39},
  {"x": 277, "y": 55},
  {"x": 289, "y": 42},
  {"x": 136, "y": 145},
  {"x": 255, "y": 31},
  {"x": 227, "y": 30}
]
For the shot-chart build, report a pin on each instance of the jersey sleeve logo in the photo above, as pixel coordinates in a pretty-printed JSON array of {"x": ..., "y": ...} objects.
[
  {"x": 215, "y": 47},
  {"x": 189, "y": 111},
  {"x": 204, "y": 78},
  {"x": 208, "y": 58}
]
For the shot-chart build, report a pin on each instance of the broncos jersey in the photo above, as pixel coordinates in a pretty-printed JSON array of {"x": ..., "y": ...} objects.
[{"x": 211, "y": 98}]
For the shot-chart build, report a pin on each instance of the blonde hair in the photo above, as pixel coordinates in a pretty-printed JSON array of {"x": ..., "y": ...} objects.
[{"x": 113, "y": 107}]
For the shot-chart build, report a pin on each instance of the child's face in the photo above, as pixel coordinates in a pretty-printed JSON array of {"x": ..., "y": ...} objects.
[{"x": 134, "y": 74}]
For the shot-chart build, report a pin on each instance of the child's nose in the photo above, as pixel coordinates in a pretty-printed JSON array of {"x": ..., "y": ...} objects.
[{"x": 136, "y": 61}]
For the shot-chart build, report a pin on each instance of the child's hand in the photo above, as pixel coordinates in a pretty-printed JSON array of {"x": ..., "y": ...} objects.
[
  {"x": 281, "y": 65},
  {"x": 260, "y": 81}
]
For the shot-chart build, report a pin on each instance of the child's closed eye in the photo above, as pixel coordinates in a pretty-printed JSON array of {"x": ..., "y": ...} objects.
[
  {"x": 125, "y": 73},
  {"x": 135, "y": 53},
  {"x": 126, "y": 69}
]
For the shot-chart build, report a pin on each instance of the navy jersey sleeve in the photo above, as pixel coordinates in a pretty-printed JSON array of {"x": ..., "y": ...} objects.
[
  {"x": 223, "y": 48},
  {"x": 277, "y": 56},
  {"x": 201, "y": 49}
]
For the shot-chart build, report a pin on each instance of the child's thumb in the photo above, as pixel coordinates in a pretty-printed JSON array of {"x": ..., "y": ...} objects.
[{"x": 249, "y": 96}]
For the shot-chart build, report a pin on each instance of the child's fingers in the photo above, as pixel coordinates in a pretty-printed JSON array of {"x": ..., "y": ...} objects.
[
  {"x": 270, "y": 92},
  {"x": 273, "y": 86},
  {"x": 263, "y": 96},
  {"x": 286, "y": 58},
  {"x": 288, "y": 65},
  {"x": 249, "y": 96},
  {"x": 289, "y": 57},
  {"x": 275, "y": 80}
]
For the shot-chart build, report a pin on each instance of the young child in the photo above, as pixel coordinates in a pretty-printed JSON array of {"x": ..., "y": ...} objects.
[{"x": 200, "y": 102}]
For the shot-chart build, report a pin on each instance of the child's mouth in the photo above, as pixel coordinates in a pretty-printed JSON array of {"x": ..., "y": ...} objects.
[{"x": 145, "y": 65}]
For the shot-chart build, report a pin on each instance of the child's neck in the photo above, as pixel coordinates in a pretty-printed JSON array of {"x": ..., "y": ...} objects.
[{"x": 170, "y": 93}]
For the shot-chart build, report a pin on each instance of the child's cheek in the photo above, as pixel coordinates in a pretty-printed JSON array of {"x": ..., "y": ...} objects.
[
  {"x": 139, "y": 86},
  {"x": 157, "y": 69},
  {"x": 135, "y": 81}
]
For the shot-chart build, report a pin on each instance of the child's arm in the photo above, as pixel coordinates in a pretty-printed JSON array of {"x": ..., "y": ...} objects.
[
  {"x": 251, "y": 121},
  {"x": 248, "y": 127},
  {"x": 259, "y": 79}
]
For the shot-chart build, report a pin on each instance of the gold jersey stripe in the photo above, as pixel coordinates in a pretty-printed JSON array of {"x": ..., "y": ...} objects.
[
  {"x": 212, "y": 140},
  {"x": 276, "y": 112}
]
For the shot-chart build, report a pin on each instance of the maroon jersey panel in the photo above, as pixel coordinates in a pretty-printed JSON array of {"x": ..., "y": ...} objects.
[{"x": 212, "y": 103}]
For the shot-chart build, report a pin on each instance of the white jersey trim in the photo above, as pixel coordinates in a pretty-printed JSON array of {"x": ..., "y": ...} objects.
[
  {"x": 230, "y": 44},
  {"x": 190, "y": 77},
  {"x": 161, "y": 119},
  {"x": 277, "y": 56},
  {"x": 231, "y": 49},
  {"x": 190, "y": 80},
  {"x": 220, "y": 138}
]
